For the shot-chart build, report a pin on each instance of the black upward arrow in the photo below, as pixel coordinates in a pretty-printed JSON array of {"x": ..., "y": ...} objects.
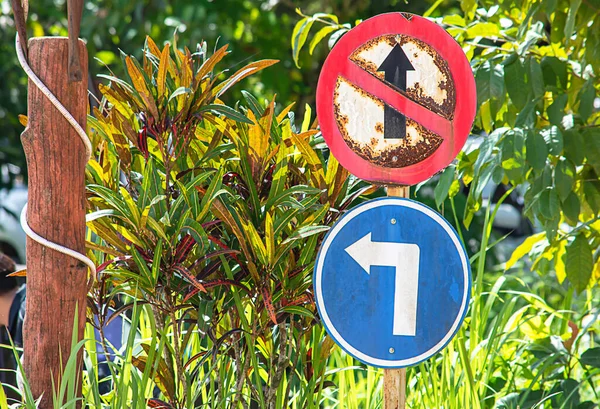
[{"x": 395, "y": 66}]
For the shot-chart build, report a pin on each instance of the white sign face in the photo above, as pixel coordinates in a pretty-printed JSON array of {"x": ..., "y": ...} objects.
[
  {"x": 404, "y": 258},
  {"x": 378, "y": 132}
]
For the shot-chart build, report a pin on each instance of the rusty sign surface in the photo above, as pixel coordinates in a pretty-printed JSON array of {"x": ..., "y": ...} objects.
[{"x": 396, "y": 99}]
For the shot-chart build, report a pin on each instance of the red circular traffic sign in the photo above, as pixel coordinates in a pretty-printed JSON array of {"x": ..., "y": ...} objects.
[{"x": 396, "y": 99}]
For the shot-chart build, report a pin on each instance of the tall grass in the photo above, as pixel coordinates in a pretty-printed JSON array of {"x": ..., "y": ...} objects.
[{"x": 513, "y": 351}]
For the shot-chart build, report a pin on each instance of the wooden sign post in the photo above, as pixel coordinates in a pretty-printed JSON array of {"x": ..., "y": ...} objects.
[
  {"x": 394, "y": 380},
  {"x": 394, "y": 388},
  {"x": 56, "y": 159}
]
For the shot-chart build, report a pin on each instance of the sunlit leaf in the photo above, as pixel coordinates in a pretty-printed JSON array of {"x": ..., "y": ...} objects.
[{"x": 579, "y": 262}]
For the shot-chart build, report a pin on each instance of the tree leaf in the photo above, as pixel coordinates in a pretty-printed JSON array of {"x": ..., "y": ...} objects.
[
  {"x": 23, "y": 120},
  {"x": 515, "y": 79},
  {"x": 179, "y": 91},
  {"x": 570, "y": 24},
  {"x": 555, "y": 72},
  {"x": 559, "y": 262},
  {"x": 443, "y": 185},
  {"x": 526, "y": 118},
  {"x": 586, "y": 98},
  {"x": 554, "y": 139},
  {"x": 306, "y": 231},
  {"x": 163, "y": 378},
  {"x": 564, "y": 178},
  {"x": 591, "y": 357},
  {"x": 571, "y": 208},
  {"x": 228, "y": 112},
  {"x": 320, "y": 35},
  {"x": 575, "y": 146},
  {"x": 336, "y": 36},
  {"x": 549, "y": 204},
  {"x": 592, "y": 138},
  {"x": 469, "y": 7},
  {"x": 536, "y": 78},
  {"x": 297, "y": 310},
  {"x": 592, "y": 195},
  {"x": 579, "y": 262},
  {"x": 299, "y": 36},
  {"x": 161, "y": 80},
  {"x": 536, "y": 150},
  {"x": 253, "y": 104},
  {"x": 523, "y": 249},
  {"x": 556, "y": 110},
  {"x": 269, "y": 304},
  {"x": 490, "y": 82},
  {"x": 211, "y": 62},
  {"x": 242, "y": 73},
  {"x": 483, "y": 30},
  {"x": 139, "y": 83}
]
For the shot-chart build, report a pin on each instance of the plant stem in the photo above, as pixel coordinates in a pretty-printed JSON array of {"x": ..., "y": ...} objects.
[
  {"x": 178, "y": 357},
  {"x": 160, "y": 321},
  {"x": 242, "y": 368},
  {"x": 280, "y": 366}
]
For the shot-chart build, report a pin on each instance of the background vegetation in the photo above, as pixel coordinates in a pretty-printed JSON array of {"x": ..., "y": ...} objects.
[
  {"x": 208, "y": 202},
  {"x": 254, "y": 29}
]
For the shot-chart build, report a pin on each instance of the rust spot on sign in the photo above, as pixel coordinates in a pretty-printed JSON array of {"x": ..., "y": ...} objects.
[
  {"x": 430, "y": 84},
  {"x": 360, "y": 118}
]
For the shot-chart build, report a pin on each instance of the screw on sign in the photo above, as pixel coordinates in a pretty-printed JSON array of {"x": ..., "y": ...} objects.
[{"x": 396, "y": 99}]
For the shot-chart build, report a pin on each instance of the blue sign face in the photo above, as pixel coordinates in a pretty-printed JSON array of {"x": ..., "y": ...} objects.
[{"x": 392, "y": 282}]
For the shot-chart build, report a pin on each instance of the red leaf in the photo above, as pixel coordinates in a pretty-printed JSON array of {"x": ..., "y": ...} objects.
[
  {"x": 103, "y": 266},
  {"x": 143, "y": 142},
  {"x": 185, "y": 272},
  {"x": 183, "y": 248},
  {"x": 215, "y": 283},
  {"x": 145, "y": 255},
  {"x": 233, "y": 256},
  {"x": 269, "y": 304},
  {"x": 308, "y": 371},
  {"x": 209, "y": 256},
  {"x": 159, "y": 404},
  {"x": 303, "y": 299},
  {"x": 291, "y": 275},
  {"x": 210, "y": 224}
]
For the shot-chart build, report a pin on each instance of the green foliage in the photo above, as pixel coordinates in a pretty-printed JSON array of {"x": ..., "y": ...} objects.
[
  {"x": 535, "y": 68},
  {"x": 517, "y": 349},
  {"x": 211, "y": 216},
  {"x": 205, "y": 216},
  {"x": 254, "y": 29}
]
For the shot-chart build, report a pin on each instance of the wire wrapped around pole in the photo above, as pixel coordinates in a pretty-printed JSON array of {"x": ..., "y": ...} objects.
[{"x": 88, "y": 150}]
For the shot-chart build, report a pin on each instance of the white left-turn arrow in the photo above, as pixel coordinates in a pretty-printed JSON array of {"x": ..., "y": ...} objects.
[{"x": 405, "y": 258}]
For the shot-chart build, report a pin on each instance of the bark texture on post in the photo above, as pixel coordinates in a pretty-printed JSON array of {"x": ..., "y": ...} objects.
[
  {"x": 394, "y": 380},
  {"x": 394, "y": 388},
  {"x": 56, "y": 158}
]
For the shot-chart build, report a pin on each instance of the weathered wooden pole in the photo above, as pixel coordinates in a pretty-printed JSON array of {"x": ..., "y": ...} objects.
[
  {"x": 394, "y": 380},
  {"x": 56, "y": 159}
]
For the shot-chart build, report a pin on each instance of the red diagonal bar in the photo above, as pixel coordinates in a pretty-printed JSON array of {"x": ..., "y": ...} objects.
[{"x": 378, "y": 88}]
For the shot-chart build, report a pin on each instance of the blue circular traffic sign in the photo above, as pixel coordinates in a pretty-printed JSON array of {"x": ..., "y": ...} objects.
[{"x": 392, "y": 282}]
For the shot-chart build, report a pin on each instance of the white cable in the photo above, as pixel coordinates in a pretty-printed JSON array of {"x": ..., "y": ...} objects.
[
  {"x": 38, "y": 82},
  {"x": 88, "y": 150},
  {"x": 47, "y": 243}
]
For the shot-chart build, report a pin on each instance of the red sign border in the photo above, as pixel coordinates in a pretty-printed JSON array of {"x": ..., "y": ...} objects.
[{"x": 466, "y": 98}]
